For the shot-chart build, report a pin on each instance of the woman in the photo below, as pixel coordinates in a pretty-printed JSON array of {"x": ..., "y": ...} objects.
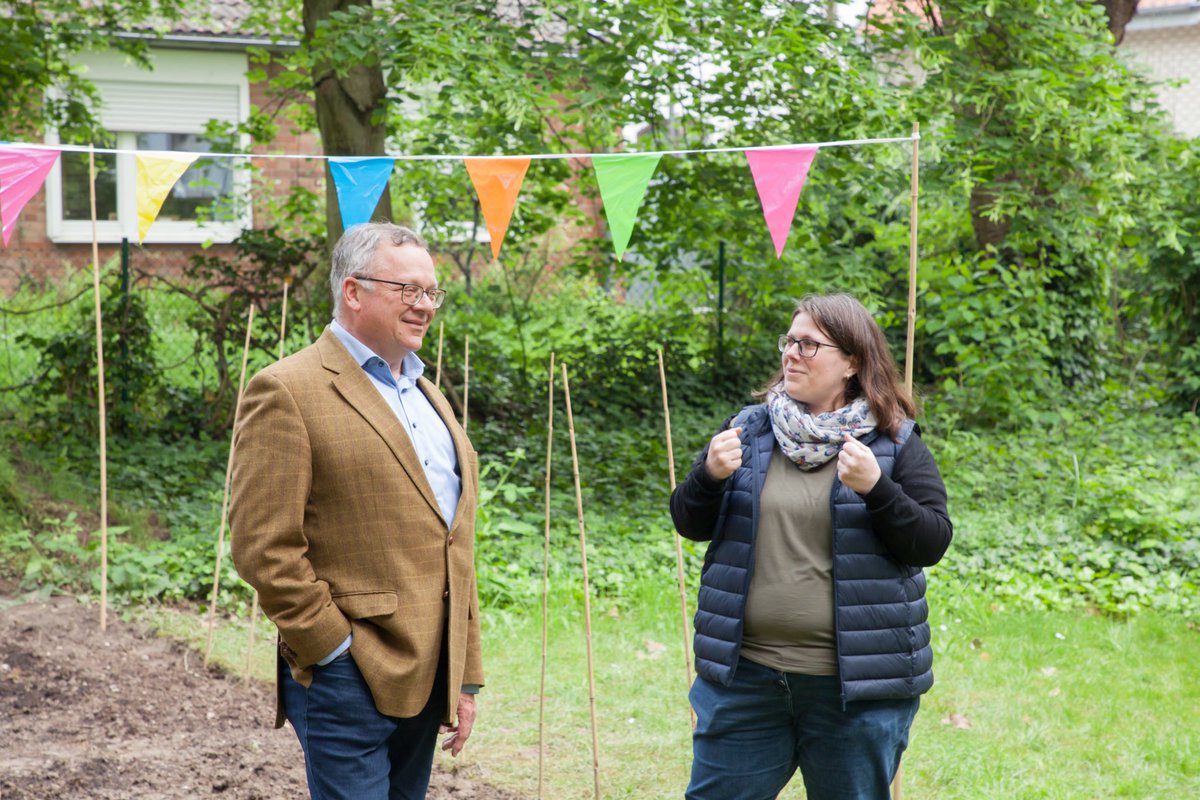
[{"x": 822, "y": 504}]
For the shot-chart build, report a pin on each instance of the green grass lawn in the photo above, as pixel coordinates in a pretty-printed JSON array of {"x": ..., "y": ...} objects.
[
  {"x": 1027, "y": 704},
  {"x": 1059, "y": 705}
]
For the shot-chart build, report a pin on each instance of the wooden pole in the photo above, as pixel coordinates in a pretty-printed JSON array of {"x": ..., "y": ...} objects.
[
  {"x": 102, "y": 408},
  {"x": 912, "y": 261},
  {"x": 212, "y": 604},
  {"x": 287, "y": 282},
  {"x": 587, "y": 603},
  {"x": 545, "y": 585},
  {"x": 466, "y": 380},
  {"x": 898, "y": 781},
  {"x": 437, "y": 381},
  {"x": 683, "y": 610}
]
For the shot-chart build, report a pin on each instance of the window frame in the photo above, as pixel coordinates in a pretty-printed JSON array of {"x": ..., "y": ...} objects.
[{"x": 185, "y": 67}]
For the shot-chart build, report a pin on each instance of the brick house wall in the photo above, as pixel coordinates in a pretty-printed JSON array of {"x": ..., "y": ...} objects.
[{"x": 1164, "y": 39}]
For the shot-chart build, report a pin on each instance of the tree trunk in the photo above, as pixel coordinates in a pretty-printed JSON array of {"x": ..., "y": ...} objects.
[
  {"x": 1119, "y": 13},
  {"x": 988, "y": 232},
  {"x": 350, "y": 111}
]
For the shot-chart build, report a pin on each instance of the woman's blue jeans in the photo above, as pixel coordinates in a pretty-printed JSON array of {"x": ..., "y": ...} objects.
[{"x": 751, "y": 737}]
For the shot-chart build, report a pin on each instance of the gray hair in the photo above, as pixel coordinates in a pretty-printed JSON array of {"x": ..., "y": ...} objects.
[{"x": 355, "y": 251}]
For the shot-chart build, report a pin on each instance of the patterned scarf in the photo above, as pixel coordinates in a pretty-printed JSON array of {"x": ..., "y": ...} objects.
[{"x": 811, "y": 440}]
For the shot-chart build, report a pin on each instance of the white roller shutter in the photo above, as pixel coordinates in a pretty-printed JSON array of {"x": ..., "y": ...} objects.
[{"x": 165, "y": 107}]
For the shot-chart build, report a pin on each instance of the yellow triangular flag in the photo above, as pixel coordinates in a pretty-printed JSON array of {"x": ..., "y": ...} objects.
[{"x": 156, "y": 176}]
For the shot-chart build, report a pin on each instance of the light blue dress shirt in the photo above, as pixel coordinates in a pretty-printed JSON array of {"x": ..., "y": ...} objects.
[{"x": 429, "y": 434}]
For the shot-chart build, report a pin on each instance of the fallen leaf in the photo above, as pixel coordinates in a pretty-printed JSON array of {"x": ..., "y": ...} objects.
[
  {"x": 985, "y": 656},
  {"x": 1049, "y": 672},
  {"x": 958, "y": 721},
  {"x": 976, "y": 643},
  {"x": 1055, "y": 692},
  {"x": 653, "y": 650}
]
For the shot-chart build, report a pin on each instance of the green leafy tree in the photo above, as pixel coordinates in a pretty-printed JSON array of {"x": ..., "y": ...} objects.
[
  {"x": 1052, "y": 146},
  {"x": 1038, "y": 144},
  {"x": 43, "y": 86},
  {"x": 1157, "y": 291}
]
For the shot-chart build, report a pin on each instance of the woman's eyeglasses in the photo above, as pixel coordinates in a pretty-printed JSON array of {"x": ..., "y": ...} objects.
[{"x": 807, "y": 348}]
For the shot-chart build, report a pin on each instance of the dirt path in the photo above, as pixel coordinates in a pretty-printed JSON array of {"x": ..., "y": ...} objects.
[{"x": 125, "y": 714}]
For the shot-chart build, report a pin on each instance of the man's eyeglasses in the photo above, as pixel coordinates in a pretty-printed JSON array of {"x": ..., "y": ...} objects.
[
  {"x": 806, "y": 347},
  {"x": 410, "y": 293}
]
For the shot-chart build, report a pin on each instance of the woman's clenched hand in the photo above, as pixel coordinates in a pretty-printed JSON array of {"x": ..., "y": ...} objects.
[{"x": 724, "y": 454}]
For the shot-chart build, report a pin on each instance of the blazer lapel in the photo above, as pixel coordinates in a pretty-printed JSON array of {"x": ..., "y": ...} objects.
[
  {"x": 356, "y": 388},
  {"x": 462, "y": 445}
]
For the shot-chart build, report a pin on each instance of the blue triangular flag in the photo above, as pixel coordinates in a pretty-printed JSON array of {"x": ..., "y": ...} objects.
[{"x": 359, "y": 183}]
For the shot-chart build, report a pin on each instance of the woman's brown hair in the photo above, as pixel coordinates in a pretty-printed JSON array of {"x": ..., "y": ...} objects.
[{"x": 851, "y": 327}]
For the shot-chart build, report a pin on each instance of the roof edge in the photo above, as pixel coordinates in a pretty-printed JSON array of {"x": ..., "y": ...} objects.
[
  {"x": 209, "y": 41},
  {"x": 1157, "y": 17}
]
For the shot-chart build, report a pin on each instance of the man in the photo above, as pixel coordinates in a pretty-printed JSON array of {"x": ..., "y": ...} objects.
[{"x": 353, "y": 515}]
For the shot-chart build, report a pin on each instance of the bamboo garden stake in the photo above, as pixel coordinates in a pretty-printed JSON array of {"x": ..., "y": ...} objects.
[
  {"x": 287, "y": 282},
  {"x": 103, "y": 410},
  {"x": 687, "y": 637},
  {"x": 912, "y": 261},
  {"x": 898, "y": 781},
  {"x": 587, "y": 603},
  {"x": 545, "y": 584},
  {"x": 237, "y": 402}
]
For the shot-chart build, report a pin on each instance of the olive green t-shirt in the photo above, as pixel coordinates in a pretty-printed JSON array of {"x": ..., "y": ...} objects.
[{"x": 789, "y": 608}]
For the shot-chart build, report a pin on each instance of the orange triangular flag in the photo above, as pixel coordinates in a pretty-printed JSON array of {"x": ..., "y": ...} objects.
[{"x": 497, "y": 182}]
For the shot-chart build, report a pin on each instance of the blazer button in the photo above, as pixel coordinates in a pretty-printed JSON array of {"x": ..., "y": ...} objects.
[
  {"x": 446, "y": 594},
  {"x": 449, "y": 541}
]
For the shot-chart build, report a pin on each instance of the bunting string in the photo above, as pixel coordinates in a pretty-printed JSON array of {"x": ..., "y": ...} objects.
[
  {"x": 69, "y": 148},
  {"x": 779, "y": 173}
]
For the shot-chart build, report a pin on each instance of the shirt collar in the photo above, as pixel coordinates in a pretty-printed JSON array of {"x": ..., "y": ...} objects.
[{"x": 412, "y": 367}]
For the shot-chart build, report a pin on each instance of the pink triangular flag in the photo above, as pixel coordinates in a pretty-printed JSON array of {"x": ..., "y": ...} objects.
[
  {"x": 22, "y": 172},
  {"x": 779, "y": 176}
]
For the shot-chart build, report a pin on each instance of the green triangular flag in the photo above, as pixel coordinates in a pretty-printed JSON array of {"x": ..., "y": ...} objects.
[{"x": 623, "y": 180}]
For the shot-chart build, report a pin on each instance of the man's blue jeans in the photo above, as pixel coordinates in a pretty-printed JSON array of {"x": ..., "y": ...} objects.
[
  {"x": 352, "y": 751},
  {"x": 750, "y": 738}
]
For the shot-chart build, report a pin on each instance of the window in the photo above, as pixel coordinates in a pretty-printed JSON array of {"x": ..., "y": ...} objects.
[{"x": 167, "y": 109}]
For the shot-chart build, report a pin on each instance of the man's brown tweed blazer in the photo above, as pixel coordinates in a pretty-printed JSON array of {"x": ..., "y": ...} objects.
[{"x": 335, "y": 524}]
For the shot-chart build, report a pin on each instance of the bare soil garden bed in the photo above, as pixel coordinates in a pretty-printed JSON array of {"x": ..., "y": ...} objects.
[{"x": 127, "y": 714}]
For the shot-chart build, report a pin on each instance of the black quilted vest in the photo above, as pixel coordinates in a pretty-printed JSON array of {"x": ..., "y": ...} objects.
[{"x": 880, "y": 614}]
